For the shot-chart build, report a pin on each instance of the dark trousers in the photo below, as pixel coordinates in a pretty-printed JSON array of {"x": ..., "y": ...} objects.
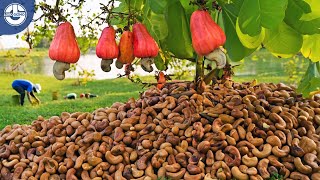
[{"x": 22, "y": 93}]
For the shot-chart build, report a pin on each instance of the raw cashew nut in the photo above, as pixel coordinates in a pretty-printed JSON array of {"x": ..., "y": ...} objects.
[
  {"x": 59, "y": 69},
  {"x": 106, "y": 65},
  {"x": 219, "y": 57},
  {"x": 119, "y": 64},
  {"x": 238, "y": 174},
  {"x": 146, "y": 64}
]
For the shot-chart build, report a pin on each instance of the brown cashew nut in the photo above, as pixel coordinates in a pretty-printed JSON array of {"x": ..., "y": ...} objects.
[
  {"x": 262, "y": 168},
  {"x": 315, "y": 176},
  {"x": 254, "y": 141},
  {"x": 232, "y": 156},
  {"x": 297, "y": 175},
  {"x": 176, "y": 176},
  {"x": 188, "y": 176},
  {"x": 249, "y": 161},
  {"x": 71, "y": 174},
  {"x": 264, "y": 153},
  {"x": 274, "y": 141},
  {"x": 280, "y": 152},
  {"x": 135, "y": 172},
  {"x": 305, "y": 169},
  {"x": 312, "y": 160},
  {"x": 220, "y": 167},
  {"x": 50, "y": 165},
  {"x": 238, "y": 174},
  {"x": 279, "y": 122},
  {"x": 113, "y": 159}
]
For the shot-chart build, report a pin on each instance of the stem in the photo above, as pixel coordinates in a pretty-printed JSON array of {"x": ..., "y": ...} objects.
[
  {"x": 129, "y": 16},
  {"x": 199, "y": 68},
  {"x": 210, "y": 76}
]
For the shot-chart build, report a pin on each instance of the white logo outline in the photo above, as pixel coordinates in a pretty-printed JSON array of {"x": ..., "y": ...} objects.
[{"x": 18, "y": 10}]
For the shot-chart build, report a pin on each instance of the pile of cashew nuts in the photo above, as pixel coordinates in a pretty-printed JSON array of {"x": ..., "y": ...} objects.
[{"x": 230, "y": 131}]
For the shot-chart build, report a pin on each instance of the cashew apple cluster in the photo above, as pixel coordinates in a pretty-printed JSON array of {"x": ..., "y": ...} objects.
[
  {"x": 231, "y": 130},
  {"x": 138, "y": 43}
]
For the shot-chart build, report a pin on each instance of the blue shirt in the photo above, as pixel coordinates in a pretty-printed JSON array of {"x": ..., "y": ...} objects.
[{"x": 25, "y": 84}]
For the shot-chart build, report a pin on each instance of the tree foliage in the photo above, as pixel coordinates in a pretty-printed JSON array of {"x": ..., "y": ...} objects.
[{"x": 284, "y": 27}]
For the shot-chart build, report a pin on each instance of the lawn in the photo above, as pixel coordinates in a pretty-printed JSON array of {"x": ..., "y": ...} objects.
[{"x": 109, "y": 91}]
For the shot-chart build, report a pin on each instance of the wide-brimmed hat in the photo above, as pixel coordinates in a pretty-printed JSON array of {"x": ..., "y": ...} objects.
[{"x": 37, "y": 87}]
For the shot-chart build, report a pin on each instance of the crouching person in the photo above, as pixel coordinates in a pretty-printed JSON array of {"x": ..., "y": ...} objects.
[{"x": 22, "y": 86}]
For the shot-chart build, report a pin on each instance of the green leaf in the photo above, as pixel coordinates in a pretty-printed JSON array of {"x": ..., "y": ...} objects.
[
  {"x": 136, "y": 4},
  {"x": 302, "y": 18},
  {"x": 160, "y": 63},
  {"x": 255, "y": 14},
  {"x": 311, "y": 46},
  {"x": 283, "y": 41},
  {"x": 178, "y": 41},
  {"x": 122, "y": 8},
  {"x": 155, "y": 23},
  {"x": 315, "y": 10},
  {"x": 236, "y": 51},
  {"x": 311, "y": 80},
  {"x": 248, "y": 41},
  {"x": 189, "y": 9},
  {"x": 157, "y": 6}
]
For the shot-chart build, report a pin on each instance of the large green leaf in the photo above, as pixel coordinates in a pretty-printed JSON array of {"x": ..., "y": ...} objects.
[
  {"x": 189, "y": 9},
  {"x": 311, "y": 47},
  {"x": 248, "y": 41},
  {"x": 311, "y": 80},
  {"x": 257, "y": 13},
  {"x": 303, "y": 17},
  {"x": 178, "y": 41},
  {"x": 283, "y": 41},
  {"x": 315, "y": 10},
  {"x": 136, "y": 4},
  {"x": 236, "y": 51},
  {"x": 155, "y": 23},
  {"x": 157, "y": 6}
]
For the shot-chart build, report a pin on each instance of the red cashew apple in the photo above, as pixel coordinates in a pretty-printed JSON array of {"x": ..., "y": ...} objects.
[
  {"x": 126, "y": 49},
  {"x": 64, "y": 49},
  {"x": 144, "y": 46},
  {"x": 107, "y": 48},
  {"x": 207, "y": 37}
]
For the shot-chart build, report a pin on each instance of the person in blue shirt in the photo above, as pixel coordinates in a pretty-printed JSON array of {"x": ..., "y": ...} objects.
[{"x": 22, "y": 86}]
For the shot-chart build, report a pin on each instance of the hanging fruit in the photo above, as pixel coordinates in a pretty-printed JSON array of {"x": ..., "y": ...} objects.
[
  {"x": 144, "y": 46},
  {"x": 126, "y": 49},
  {"x": 107, "y": 48},
  {"x": 161, "y": 78},
  {"x": 64, "y": 49},
  {"x": 207, "y": 37}
]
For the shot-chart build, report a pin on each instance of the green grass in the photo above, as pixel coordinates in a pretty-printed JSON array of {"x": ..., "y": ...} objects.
[{"x": 109, "y": 91}]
